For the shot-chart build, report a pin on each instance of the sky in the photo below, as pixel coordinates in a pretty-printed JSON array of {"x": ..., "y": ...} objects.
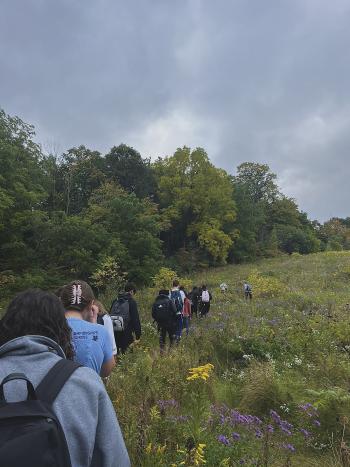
[{"x": 247, "y": 80}]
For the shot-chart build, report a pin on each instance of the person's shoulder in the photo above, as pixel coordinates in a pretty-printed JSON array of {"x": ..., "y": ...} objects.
[{"x": 85, "y": 381}]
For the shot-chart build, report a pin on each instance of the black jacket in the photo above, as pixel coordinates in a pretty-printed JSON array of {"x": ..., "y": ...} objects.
[
  {"x": 171, "y": 309},
  {"x": 124, "y": 339}
]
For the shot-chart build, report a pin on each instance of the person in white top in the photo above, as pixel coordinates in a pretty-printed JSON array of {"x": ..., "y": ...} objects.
[{"x": 100, "y": 316}]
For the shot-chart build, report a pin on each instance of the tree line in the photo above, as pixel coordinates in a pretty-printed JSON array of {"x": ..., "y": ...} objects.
[{"x": 79, "y": 213}]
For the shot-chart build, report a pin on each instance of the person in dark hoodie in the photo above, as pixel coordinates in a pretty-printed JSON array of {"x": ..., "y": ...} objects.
[
  {"x": 165, "y": 314},
  {"x": 34, "y": 336},
  {"x": 132, "y": 331}
]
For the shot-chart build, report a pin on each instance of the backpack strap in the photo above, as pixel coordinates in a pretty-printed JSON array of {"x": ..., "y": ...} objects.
[{"x": 50, "y": 386}]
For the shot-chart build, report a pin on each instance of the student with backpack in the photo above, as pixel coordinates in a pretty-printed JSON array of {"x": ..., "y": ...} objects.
[
  {"x": 70, "y": 420},
  {"x": 205, "y": 299},
  {"x": 125, "y": 318},
  {"x": 165, "y": 314},
  {"x": 248, "y": 294},
  {"x": 176, "y": 297},
  {"x": 194, "y": 296},
  {"x": 92, "y": 343}
]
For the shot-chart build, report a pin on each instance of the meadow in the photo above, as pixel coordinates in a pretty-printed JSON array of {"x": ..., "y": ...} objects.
[{"x": 260, "y": 383}]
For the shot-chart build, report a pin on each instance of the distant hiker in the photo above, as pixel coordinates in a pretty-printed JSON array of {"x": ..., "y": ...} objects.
[
  {"x": 205, "y": 300},
  {"x": 223, "y": 287},
  {"x": 186, "y": 314},
  {"x": 194, "y": 296},
  {"x": 176, "y": 297},
  {"x": 92, "y": 343},
  {"x": 73, "y": 422},
  {"x": 125, "y": 318},
  {"x": 165, "y": 314},
  {"x": 247, "y": 291},
  {"x": 102, "y": 317}
]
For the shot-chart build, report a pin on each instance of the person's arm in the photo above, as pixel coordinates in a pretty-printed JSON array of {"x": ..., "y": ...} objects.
[
  {"x": 109, "y": 449},
  {"x": 109, "y": 326},
  {"x": 108, "y": 357},
  {"x": 135, "y": 319}
]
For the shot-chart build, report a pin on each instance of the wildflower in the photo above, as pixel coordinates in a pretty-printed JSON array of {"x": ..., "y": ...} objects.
[
  {"x": 161, "y": 449},
  {"x": 154, "y": 413},
  {"x": 201, "y": 372},
  {"x": 198, "y": 456},
  {"x": 275, "y": 417},
  {"x": 258, "y": 434},
  {"x": 224, "y": 440},
  {"x": 270, "y": 428},
  {"x": 148, "y": 448},
  {"x": 317, "y": 423},
  {"x": 236, "y": 436},
  {"x": 305, "y": 432},
  {"x": 289, "y": 447}
]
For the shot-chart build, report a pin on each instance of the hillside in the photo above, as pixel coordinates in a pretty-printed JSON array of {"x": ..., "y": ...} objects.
[{"x": 287, "y": 352}]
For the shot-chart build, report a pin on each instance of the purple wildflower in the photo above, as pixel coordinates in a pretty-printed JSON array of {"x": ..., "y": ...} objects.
[
  {"x": 236, "y": 436},
  {"x": 289, "y": 447},
  {"x": 275, "y": 417},
  {"x": 317, "y": 423},
  {"x": 258, "y": 434},
  {"x": 270, "y": 428},
  {"x": 223, "y": 440},
  {"x": 306, "y": 433}
]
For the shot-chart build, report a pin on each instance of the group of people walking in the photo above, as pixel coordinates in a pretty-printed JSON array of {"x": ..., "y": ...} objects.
[
  {"x": 54, "y": 349},
  {"x": 173, "y": 309}
]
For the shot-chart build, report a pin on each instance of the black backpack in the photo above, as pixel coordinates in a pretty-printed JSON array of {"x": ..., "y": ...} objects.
[
  {"x": 120, "y": 314},
  {"x": 30, "y": 432},
  {"x": 160, "y": 312}
]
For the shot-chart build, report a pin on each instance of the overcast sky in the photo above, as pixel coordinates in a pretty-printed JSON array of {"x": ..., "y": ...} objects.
[{"x": 248, "y": 80}]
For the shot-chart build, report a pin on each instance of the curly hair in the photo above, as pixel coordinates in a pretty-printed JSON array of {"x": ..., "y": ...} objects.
[{"x": 35, "y": 312}]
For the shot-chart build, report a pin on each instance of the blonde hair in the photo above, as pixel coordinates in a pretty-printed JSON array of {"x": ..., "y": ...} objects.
[{"x": 101, "y": 308}]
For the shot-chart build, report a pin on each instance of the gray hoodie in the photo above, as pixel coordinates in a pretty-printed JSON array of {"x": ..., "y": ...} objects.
[{"x": 82, "y": 406}]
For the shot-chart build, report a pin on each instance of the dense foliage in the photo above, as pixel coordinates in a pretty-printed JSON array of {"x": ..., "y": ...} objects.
[{"x": 64, "y": 216}]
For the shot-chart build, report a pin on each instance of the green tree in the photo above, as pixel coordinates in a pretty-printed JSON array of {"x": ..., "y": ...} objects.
[
  {"x": 125, "y": 166},
  {"x": 197, "y": 203}
]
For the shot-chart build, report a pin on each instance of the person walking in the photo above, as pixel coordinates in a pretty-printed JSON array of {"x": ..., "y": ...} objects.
[
  {"x": 165, "y": 314},
  {"x": 176, "y": 297},
  {"x": 91, "y": 341},
  {"x": 101, "y": 316},
  {"x": 194, "y": 296},
  {"x": 186, "y": 314},
  {"x": 125, "y": 307},
  {"x": 247, "y": 288},
  {"x": 205, "y": 299}
]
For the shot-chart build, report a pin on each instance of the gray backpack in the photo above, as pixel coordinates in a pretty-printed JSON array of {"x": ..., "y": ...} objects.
[{"x": 120, "y": 314}]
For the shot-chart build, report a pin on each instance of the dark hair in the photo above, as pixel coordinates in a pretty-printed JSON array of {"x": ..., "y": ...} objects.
[
  {"x": 175, "y": 283},
  {"x": 76, "y": 295},
  {"x": 164, "y": 292},
  {"x": 34, "y": 312},
  {"x": 204, "y": 287},
  {"x": 130, "y": 287}
]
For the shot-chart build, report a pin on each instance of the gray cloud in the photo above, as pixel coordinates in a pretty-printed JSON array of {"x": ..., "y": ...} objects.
[{"x": 262, "y": 81}]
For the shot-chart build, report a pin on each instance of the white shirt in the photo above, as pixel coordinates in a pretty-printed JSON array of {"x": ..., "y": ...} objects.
[{"x": 109, "y": 327}]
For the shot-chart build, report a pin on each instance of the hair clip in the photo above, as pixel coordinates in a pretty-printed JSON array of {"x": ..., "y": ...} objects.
[{"x": 76, "y": 294}]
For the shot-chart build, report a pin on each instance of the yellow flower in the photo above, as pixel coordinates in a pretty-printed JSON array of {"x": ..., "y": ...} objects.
[
  {"x": 154, "y": 413},
  {"x": 148, "y": 448},
  {"x": 201, "y": 372},
  {"x": 198, "y": 457}
]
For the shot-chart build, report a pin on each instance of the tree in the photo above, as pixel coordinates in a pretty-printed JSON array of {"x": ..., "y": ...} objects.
[
  {"x": 125, "y": 166},
  {"x": 196, "y": 202},
  {"x": 133, "y": 225}
]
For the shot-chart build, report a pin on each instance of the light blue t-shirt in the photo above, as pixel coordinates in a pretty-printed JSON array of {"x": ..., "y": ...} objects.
[{"x": 91, "y": 343}]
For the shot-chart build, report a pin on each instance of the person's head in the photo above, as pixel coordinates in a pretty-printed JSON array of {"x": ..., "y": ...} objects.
[
  {"x": 34, "y": 312},
  {"x": 100, "y": 307},
  {"x": 182, "y": 288},
  {"x": 204, "y": 287},
  {"x": 77, "y": 296},
  {"x": 164, "y": 292},
  {"x": 175, "y": 283},
  {"x": 130, "y": 288}
]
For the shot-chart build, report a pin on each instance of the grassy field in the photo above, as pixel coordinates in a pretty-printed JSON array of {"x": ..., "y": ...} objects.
[{"x": 277, "y": 393}]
